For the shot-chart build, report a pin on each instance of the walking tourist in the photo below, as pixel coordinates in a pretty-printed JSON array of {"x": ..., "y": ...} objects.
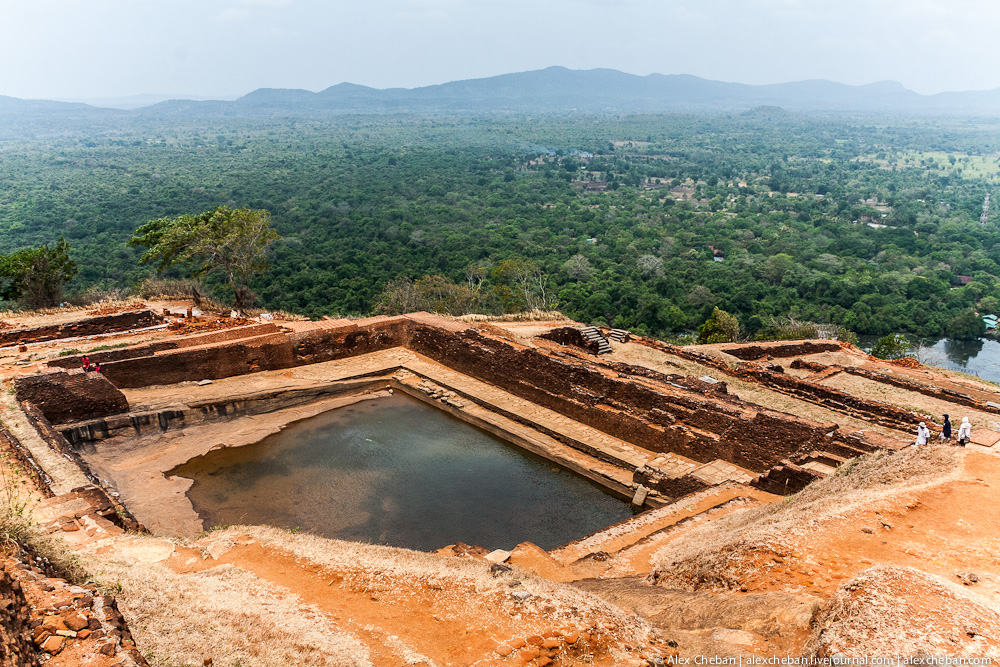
[
  {"x": 946, "y": 430},
  {"x": 964, "y": 432},
  {"x": 923, "y": 433}
]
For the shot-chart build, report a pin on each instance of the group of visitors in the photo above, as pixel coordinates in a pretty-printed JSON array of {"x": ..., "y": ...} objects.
[
  {"x": 964, "y": 432},
  {"x": 88, "y": 366}
]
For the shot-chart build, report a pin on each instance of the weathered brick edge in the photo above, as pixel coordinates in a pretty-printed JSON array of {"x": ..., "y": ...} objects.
[
  {"x": 120, "y": 516},
  {"x": 87, "y": 327}
]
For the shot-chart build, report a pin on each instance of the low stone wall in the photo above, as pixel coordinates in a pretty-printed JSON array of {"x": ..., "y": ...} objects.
[
  {"x": 684, "y": 353},
  {"x": 16, "y": 647},
  {"x": 881, "y": 413},
  {"x": 43, "y": 615},
  {"x": 225, "y": 335},
  {"x": 705, "y": 385},
  {"x": 65, "y": 397},
  {"x": 942, "y": 393},
  {"x": 115, "y": 512},
  {"x": 11, "y": 445},
  {"x": 88, "y": 327},
  {"x": 149, "y": 349},
  {"x": 795, "y": 349},
  {"x": 106, "y": 356}
]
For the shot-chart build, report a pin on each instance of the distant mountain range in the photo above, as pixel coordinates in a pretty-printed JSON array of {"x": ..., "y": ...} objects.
[
  {"x": 143, "y": 100},
  {"x": 553, "y": 90}
]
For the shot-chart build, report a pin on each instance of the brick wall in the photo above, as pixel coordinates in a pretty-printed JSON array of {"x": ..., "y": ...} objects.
[
  {"x": 72, "y": 396},
  {"x": 571, "y": 336},
  {"x": 796, "y": 349},
  {"x": 88, "y": 327},
  {"x": 655, "y": 419}
]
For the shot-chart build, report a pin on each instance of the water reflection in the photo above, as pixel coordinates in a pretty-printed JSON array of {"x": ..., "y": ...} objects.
[
  {"x": 961, "y": 351},
  {"x": 980, "y": 357},
  {"x": 396, "y": 471},
  {"x": 977, "y": 357}
]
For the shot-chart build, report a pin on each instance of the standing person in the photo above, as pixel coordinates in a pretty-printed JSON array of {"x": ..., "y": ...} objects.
[
  {"x": 922, "y": 434},
  {"x": 946, "y": 430},
  {"x": 964, "y": 432},
  {"x": 86, "y": 363},
  {"x": 98, "y": 368}
]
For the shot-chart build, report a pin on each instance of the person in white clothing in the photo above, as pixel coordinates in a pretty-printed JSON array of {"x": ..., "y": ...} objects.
[
  {"x": 964, "y": 432},
  {"x": 922, "y": 434}
]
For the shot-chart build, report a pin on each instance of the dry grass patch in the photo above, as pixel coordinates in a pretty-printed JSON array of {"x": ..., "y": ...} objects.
[
  {"x": 903, "y": 613},
  {"x": 17, "y": 531},
  {"x": 722, "y": 553},
  {"x": 526, "y": 316},
  {"x": 226, "y": 614}
]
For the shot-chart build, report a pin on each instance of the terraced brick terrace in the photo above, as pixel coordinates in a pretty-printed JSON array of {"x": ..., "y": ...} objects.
[{"x": 650, "y": 422}]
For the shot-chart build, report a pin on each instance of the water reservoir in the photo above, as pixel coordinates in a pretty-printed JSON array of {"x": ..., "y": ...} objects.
[{"x": 396, "y": 471}]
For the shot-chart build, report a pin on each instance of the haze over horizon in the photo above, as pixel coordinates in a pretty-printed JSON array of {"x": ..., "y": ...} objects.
[{"x": 64, "y": 49}]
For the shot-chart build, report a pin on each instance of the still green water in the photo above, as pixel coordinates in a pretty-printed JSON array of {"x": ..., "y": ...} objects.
[{"x": 396, "y": 471}]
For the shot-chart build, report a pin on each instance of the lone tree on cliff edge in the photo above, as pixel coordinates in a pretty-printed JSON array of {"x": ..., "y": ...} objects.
[
  {"x": 233, "y": 241},
  {"x": 36, "y": 276}
]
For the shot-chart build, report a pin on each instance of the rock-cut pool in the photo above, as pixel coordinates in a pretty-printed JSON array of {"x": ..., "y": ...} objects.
[{"x": 396, "y": 471}]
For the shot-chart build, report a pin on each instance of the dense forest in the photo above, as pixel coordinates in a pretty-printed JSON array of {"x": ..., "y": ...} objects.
[{"x": 641, "y": 222}]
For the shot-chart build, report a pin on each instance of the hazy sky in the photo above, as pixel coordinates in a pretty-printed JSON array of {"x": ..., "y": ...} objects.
[{"x": 107, "y": 48}]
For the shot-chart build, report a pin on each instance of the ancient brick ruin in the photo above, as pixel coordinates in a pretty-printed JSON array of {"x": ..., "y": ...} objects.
[
  {"x": 72, "y": 396},
  {"x": 86, "y": 327},
  {"x": 689, "y": 420}
]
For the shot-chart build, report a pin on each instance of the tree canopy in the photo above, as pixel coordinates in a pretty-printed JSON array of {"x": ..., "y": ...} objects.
[
  {"x": 230, "y": 241},
  {"x": 721, "y": 327},
  {"x": 893, "y": 346},
  {"x": 644, "y": 222},
  {"x": 36, "y": 276}
]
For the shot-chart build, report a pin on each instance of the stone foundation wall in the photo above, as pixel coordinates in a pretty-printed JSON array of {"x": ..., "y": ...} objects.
[
  {"x": 772, "y": 377},
  {"x": 881, "y": 413},
  {"x": 72, "y": 396},
  {"x": 941, "y": 393}
]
